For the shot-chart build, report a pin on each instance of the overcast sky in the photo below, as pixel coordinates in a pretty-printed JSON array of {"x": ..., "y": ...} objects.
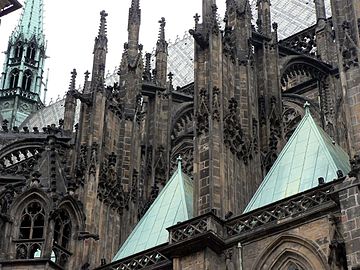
[{"x": 72, "y": 25}]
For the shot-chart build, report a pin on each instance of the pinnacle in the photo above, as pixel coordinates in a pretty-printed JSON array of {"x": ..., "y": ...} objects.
[
  {"x": 135, "y": 4},
  {"x": 102, "y": 28},
  {"x": 162, "y": 29},
  {"x": 73, "y": 80}
]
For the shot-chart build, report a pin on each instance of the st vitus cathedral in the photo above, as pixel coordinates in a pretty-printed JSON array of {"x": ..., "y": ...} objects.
[{"x": 252, "y": 166}]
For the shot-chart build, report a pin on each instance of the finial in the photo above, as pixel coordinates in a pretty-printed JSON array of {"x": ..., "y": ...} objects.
[
  {"x": 162, "y": 29},
  {"x": 135, "y": 4},
  {"x": 102, "y": 29},
  {"x": 73, "y": 80},
  {"x": 179, "y": 161},
  {"x": 87, "y": 75},
  {"x": 275, "y": 26},
  {"x": 170, "y": 76},
  {"x": 197, "y": 19},
  {"x": 134, "y": 11},
  {"x": 307, "y": 107}
]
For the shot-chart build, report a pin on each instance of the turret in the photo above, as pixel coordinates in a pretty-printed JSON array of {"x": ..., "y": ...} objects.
[{"x": 24, "y": 66}]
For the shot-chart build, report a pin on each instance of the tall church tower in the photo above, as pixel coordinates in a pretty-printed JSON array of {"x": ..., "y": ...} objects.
[{"x": 20, "y": 87}]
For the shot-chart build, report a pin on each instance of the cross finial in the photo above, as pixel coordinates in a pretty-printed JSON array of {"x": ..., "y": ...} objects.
[
  {"x": 87, "y": 74},
  {"x": 197, "y": 18},
  {"x": 179, "y": 161},
  {"x": 307, "y": 107}
]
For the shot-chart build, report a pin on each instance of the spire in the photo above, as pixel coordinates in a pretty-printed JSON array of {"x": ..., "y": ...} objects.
[
  {"x": 73, "y": 80},
  {"x": 24, "y": 65},
  {"x": 207, "y": 8},
  {"x": 70, "y": 104},
  {"x": 101, "y": 40},
  {"x": 161, "y": 43},
  {"x": 134, "y": 11},
  {"x": 31, "y": 21},
  {"x": 100, "y": 50},
  {"x": 86, "y": 81},
  {"x": 134, "y": 28},
  {"x": 161, "y": 55}
]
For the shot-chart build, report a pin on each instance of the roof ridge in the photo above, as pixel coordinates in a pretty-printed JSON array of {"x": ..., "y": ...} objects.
[
  {"x": 320, "y": 136},
  {"x": 184, "y": 177}
]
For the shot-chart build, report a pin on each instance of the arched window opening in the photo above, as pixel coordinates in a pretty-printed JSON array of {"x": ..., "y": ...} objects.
[
  {"x": 62, "y": 236},
  {"x": 32, "y": 222},
  {"x": 62, "y": 230},
  {"x": 35, "y": 251},
  {"x": 27, "y": 80},
  {"x": 30, "y": 52},
  {"x": 31, "y": 232},
  {"x": 294, "y": 266},
  {"x": 28, "y": 251},
  {"x": 18, "y": 51},
  {"x": 14, "y": 78}
]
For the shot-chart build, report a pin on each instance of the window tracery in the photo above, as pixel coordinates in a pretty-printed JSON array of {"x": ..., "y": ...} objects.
[
  {"x": 62, "y": 236},
  {"x": 30, "y": 52},
  {"x": 294, "y": 266},
  {"x": 32, "y": 222},
  {"x": 27, "y": 80},
  {"x": 62, "y": 230},
  {"x": 14, "y": 78},
  {"x": 18, "y": 51},
  {"x": 31, "y": 232}
]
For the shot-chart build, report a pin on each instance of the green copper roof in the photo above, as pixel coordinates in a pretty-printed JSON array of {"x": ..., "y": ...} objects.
[
  {"x": 31, "y": 21},
  {"x": 174, "y": 204},
  {"x": 309, "y": 154}
]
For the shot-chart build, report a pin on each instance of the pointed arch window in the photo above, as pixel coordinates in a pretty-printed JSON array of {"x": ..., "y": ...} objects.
[
  {"x": 31, "y": 232},
  {"x": 62, "y": 230},
  {"x": 294, "y": 266},
  {"x": 27, "y": 80},
  {"x": 14, "y": 78},
  {"x": 62, "y": 237},
  {"x": 30, "y": 52},
  {"x": 18, "y": 51}
]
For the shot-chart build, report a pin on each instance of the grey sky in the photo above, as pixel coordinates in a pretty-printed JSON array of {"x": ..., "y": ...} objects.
[{"x": 72, "y": 25}]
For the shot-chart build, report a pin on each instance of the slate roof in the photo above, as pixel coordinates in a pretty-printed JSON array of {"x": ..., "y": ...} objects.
[
  {"x": 174, "y": 204},
  {"x": 309, "y": 154}
]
